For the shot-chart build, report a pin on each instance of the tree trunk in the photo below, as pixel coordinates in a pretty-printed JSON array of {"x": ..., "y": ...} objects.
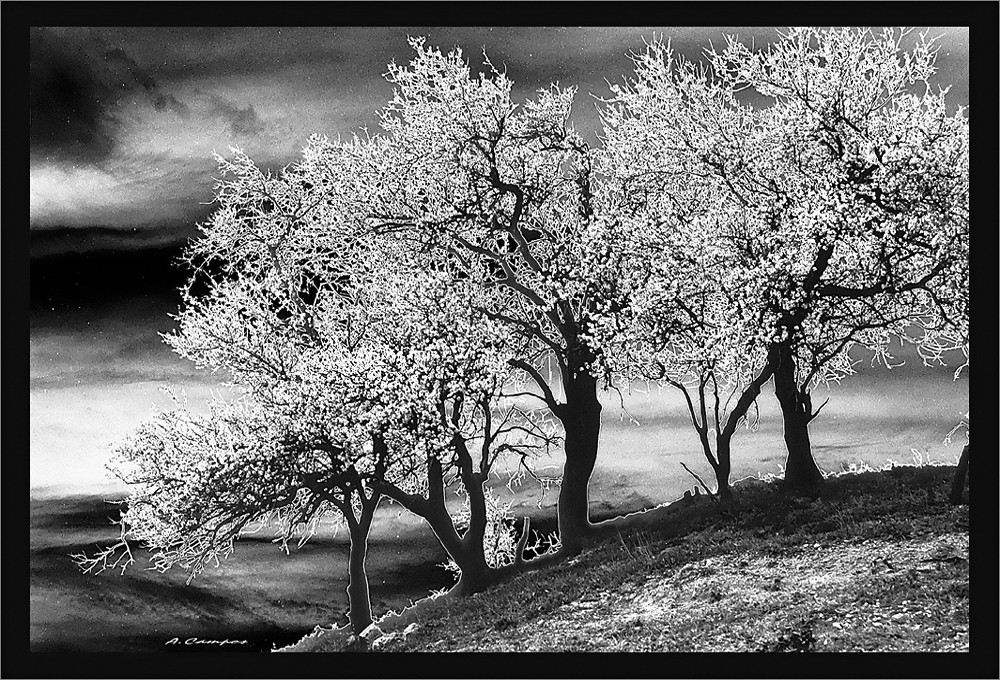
[
  {"x": 723, "y": 468},
  {"x": 958, "y": 482},
  {"x": 466, "y": 551},
  {"x": 802, "y": 476},
  {"x": 471, "y": 556},
  {"x": 476, "y": 575},
  {"x": 581, "y": 418},
  {"x": 358, "y": 597},
  {"x": 724, "y": 438}
]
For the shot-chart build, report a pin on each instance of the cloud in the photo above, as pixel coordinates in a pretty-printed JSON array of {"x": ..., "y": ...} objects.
[
  {"x": 111, "y": 148},
  {"x": 241, "y": 121},
  {"x": 78, "y": 85},
  {"x": 134, "y": 192},
  {"x": 66, "y": 98}
]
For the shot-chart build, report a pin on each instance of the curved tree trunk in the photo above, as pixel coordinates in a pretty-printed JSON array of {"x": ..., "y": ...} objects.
[
  {"x": 721, "y": 460},
  {"x": 802, "y": 476},
  {"x": 470, "y": 555},
  {"x": 359, "y": 601},
  {"x": 581, "y": 418},
  {"x": 467, "y": 551},
  {"x": 961, "y": 473},
  {"x": 358, "y": 597}
]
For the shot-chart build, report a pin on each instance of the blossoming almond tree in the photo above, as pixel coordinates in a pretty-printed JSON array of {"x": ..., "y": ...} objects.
[
  {"x": 497, "y": 195},
  {"x": 443, "y": 365},
  {"x": 200, "y": 482},
  {"x": 318, "y": 329},
  {"x": 841, "y": 194},
  {"x": 669, "y": 323},
  {"x": 944, "y": 333},
  {"x": 454, "y": 365},
  {"x": 686, "y": 311},
  {"x": 447, "y": 390},
  {"x": 279, "y": 319}
]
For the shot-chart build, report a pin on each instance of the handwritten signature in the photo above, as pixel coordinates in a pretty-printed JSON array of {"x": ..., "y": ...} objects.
[{"x": 200, "y": 641}]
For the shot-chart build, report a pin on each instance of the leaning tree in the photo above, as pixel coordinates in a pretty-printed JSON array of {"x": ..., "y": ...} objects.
[
  {"x": 452, "y": 383},
  {"x": 198, "y": 482},
  {"x": 840, "y": 192},
  {"x": 271, "y": 307},
  {"x": 457, "y": 388},
  {"x": 447, "y": 377}
]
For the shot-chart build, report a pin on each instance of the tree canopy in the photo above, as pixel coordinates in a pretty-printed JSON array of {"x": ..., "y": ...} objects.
[
  {"x": 828, "y": 182},
  {"x": 405, "y": 310}
]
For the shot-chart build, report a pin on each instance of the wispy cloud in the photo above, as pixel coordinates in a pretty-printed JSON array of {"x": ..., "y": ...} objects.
[
  {"x": 122, "y": 192},
  {"x": 241, "y": 121}
]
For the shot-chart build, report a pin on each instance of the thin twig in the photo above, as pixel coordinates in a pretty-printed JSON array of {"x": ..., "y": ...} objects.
[{"x": 695, "y": 475}]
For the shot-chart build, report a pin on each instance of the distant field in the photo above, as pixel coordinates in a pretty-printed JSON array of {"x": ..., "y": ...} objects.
[
  {"x": 96, "y": 374},
  {"x": 259, "y": 594},
  {"x": 873, "y": 418}
]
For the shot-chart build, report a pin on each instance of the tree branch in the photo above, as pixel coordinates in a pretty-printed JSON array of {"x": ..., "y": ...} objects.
[
  {"x": 700, "y": 481},
  {"x": 549, "y": 398}
]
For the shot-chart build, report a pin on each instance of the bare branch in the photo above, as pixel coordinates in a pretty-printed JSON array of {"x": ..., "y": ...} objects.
[{"x": 699, "y": 479}]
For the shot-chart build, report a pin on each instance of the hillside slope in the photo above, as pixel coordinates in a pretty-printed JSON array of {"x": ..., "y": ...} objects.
[{"x": 880, "y": 563}]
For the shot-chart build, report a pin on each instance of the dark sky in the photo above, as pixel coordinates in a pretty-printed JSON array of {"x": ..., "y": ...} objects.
[{"x": 124, "y": 120}]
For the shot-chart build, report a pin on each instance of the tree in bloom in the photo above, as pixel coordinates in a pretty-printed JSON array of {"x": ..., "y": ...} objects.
[
  {"x": 498, "y": 195},
  {"x": 944, "y": 333},
  {"x": 364, "y": 374},
  {"x": 440, "y": 368},
  {"x": 834, "y": 179},
  {"x": 200, "y": 482},
  {"x": 279, "y": 317},
  {"x": 667, "y": 320},
  {"x": 464, "y": 419}
]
